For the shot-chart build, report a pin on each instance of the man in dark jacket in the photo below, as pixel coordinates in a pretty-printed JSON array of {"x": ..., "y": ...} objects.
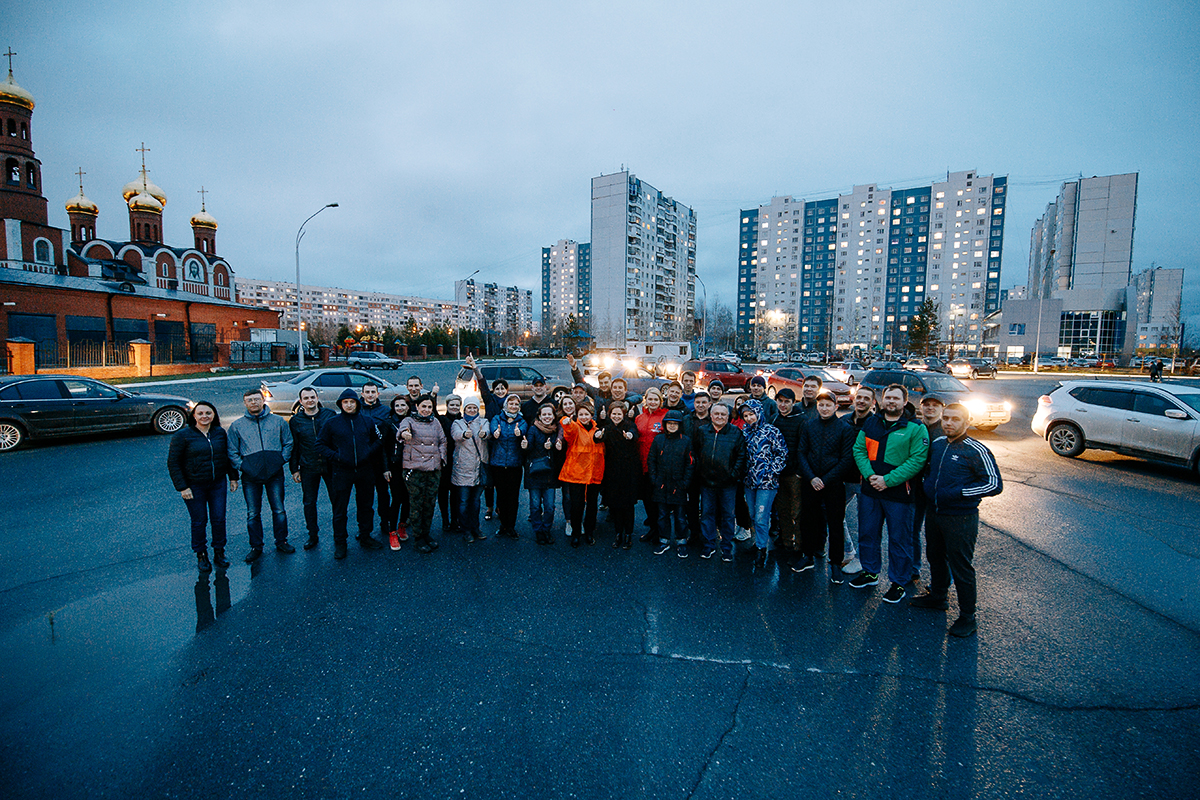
[
  {"x": 930, "y": 414},
  {"x": 825, "y": 455},
  {"x": 692, "y": 422},
  {"x": 673, "y": 400},
  {"x": 370, "y": 408},
  {"x": 351, "y": 443},
  {"x": 308, "y": 467},
  {"x": 758, "y": 391},
  {"x": 962, "y": 471},
  {"x": 720, "y": 453},
  {"x": 787, "y": 502},
  {"x": 670, "y": 466},
  {"x": 260, "y": 444},
  {"x": 807, "y": 407},
  {"x": 540, "y": 395},
  {"x": 890, "y": 452}
]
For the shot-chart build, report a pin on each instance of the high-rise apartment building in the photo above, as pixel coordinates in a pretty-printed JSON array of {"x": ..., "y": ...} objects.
[
  {"x": 508, "y": 311},
  {"x": 349, "y": 307},
  {"x": 566, "y": 285},
  {"x": 852, "y": 270},
  {"x": 643, "y": 263},
  {"x": 1154, "y": 307}
]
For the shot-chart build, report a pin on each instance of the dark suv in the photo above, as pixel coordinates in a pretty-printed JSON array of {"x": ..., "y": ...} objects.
[{"x": 707, "y": 370}]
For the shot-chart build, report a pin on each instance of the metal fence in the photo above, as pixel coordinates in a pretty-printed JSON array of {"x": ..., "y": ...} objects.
[
  {"x": 249, "y": 352},
  {"x": 85, "y": 353},
  {"x": 170, "y": 349}
]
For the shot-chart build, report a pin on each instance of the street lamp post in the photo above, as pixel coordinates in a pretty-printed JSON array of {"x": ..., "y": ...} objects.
[
  {"x": 703, "y": 317},
  {"x": 299, "y": 324},
  {"x": 458, "y": 335}
]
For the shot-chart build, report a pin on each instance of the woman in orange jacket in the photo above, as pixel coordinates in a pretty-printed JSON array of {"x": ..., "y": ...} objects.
[{"x": 582, "y": 472}]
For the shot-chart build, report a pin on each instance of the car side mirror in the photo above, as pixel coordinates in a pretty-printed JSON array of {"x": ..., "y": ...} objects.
[{"x": 1175, "y": 413}]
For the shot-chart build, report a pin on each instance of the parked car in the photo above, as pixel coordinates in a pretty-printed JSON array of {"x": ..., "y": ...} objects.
[
  {"x": 972, "y": 368},
  {"x": 1158, "y": 421},
  {"x": 729, "y": 374},
  {"x": 368, "y": 359},
  {"x": 986, "y": 412},
  {"x": 850, "y": 372},
  {"x": 1051, "y": 362},
  {"x": 519, "y": 378},
  {"x": 928, "y": 364},
  {"x": 520, "y": 352},
  {"x": 283, "y": 397},
  {"x": 732, "y": 357},
  {"x": 43, "y": 406},
  {"x": 792, "y": 376}
]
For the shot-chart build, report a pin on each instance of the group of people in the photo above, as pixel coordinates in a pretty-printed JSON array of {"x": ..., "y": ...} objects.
[{"x": 776, "y": 473}]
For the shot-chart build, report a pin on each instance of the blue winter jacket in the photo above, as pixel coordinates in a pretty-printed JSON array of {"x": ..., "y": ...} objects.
[
  {"x": 766, "y": 452},
  {"x": 961, "y": 473},
  {"x": 506, "y": 451}
]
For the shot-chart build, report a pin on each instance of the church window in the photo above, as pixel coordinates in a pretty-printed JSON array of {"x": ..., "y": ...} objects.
[
  {"x": 41, "y": 252},
  {"x": 31, "y": 176},
  {"x": 13, "y": 171}
]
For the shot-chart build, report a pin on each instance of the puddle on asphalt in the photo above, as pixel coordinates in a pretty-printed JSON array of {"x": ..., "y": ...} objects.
[{"x": 114, "y": 636}]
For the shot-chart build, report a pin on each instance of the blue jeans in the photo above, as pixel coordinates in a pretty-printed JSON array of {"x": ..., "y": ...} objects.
[
  {"x": 541, "y": 511},
  {"x": 716, "y": 516},
  {"x": 468, "y": 508},
  {"x": 666, "y": 513},
  {"x": 208, "y": 502},
  {"x": 253, "y": 492},
  {"x": 759, "y": 501},
  {"x": 872, "y": 513}
]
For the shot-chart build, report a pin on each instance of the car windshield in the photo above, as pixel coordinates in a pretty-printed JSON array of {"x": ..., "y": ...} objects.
[
  {"x": 302, "y": 377},
  {"x": 944, "y": 383},
  {"x": 1192, "y": 400}
]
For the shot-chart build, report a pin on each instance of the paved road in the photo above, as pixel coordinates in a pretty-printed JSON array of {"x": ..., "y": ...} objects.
[{"x": 508, "y": 669}]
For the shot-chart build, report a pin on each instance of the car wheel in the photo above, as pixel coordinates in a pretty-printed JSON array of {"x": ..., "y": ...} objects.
[
  {"x": 12, "y": 436},
  {"x": 1066, "y": 440},
  {"x": 169, "y": 420},
  {"x": 974, "y": 374},
  {"x": 295, "y": 408},
  {"x": 985, "y": 428}
]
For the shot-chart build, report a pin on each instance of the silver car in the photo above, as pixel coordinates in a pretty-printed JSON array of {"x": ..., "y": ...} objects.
[
  {"x": 1156, "y": 421},
  {"x": 283, "y": 397}
]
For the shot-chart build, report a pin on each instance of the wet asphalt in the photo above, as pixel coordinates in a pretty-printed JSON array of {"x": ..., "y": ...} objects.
[{"x": 508, "y": 669}]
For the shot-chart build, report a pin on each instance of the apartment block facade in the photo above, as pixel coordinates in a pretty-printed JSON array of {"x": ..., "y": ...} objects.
[
  {"x": 508, "y": 310},
  {"x": 851, "y": 271},
  {"x": 643, "y": 253},
  {"x": 349, "y": 307},
  {"x": 566, "y": 285}
]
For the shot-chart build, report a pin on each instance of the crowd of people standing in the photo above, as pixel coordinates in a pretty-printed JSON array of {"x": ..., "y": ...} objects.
[{"x": 709, "y": 469}]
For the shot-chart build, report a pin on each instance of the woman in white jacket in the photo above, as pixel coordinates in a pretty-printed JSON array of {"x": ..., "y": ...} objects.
[{"x": 470, "y": 435}]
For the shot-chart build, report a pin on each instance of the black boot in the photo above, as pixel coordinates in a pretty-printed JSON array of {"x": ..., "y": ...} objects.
[
  {"x": 202, "y": 562},
  {"x": 219, "y": 559},
  {"x": 627, "y": 541}
]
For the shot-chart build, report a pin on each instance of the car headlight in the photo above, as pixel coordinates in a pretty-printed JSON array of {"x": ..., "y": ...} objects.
[
  {"x": 266, "y": 393},
  {"x": 1007, "y": 406},
  {"x": 976, "y": 407}
]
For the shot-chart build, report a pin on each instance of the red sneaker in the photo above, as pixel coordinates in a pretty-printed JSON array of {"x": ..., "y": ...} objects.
[
  {"x": 402, "y": 534},
  {"x": 394, "y": 540}
]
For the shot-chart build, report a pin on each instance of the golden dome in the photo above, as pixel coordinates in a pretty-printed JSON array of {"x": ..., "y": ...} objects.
[
  {"x": 203, "y": 219},
  {"x": 80, "y": 204},
  {"x": 143, "y": 186},
  {"x": 145, "y": 202},
  {"x": 11, "y": 93}
]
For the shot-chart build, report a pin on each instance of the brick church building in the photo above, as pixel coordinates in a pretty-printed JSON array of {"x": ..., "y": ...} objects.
[{"x": 82, "y": 298}]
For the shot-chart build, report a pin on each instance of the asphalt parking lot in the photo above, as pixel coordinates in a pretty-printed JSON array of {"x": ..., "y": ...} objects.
[{"x": 505, "y": 669}]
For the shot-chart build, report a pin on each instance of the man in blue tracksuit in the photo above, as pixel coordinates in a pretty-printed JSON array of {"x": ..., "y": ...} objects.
[{"x": 962, "y": 471}]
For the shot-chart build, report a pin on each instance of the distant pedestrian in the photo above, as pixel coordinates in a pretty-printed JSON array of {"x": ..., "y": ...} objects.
[
  {"x": 260, "y": 444},
  {"x": 962, "y": 471},
  {"x": 198, "y": 463},
  {"x": 308, "y": 466}
]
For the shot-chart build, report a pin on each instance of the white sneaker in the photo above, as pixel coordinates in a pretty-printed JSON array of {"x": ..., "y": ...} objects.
[
  {"x": 742, "y": 535},
  {"x": 852, "y": 567}
]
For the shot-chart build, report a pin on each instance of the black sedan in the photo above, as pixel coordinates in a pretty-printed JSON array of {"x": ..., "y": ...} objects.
[{"x": 43, "y": 406}]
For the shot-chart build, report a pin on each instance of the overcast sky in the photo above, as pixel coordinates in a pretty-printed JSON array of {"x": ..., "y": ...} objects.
[{"x": 463, "y": 135}]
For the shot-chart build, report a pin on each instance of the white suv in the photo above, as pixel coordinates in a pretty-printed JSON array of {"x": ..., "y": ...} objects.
[{"x": 1157, "y": 421}]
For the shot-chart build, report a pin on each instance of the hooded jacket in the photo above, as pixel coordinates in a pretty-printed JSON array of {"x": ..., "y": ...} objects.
[
  {"x": 670, "y": 464},
  {"x": 506, "y": 451},
  {"x": 350, "y": 441},
  {"x": 259, "y": 445},
  {"x": 426, "y": 450},
  {"x": 305, "y": 430},
  {"x": 961, "y": 473},
  {"x": 584, "y": 462},
  {"x": 766, "y": 452},
  {"x": 470, "y": 451}
]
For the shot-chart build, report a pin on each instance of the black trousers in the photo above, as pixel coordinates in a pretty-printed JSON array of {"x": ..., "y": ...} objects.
[
  {"x": 362, "y": 483},
  {"x": 824, "y": 520},
  {"x": 950, "y": 543},
  {"x": 508, "y": 495},
  {"x": 584, "y": 498},
  {"x": 383, "y": 488},
  {"x": 310, "y": 488},
  {"x": 647, "y": 494}
]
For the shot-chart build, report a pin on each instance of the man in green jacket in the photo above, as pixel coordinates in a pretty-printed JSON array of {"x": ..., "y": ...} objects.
[{"x": 890, "y": 452}]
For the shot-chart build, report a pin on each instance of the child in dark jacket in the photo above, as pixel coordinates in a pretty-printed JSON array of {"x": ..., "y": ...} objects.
[{"x": 669, "y": 466}]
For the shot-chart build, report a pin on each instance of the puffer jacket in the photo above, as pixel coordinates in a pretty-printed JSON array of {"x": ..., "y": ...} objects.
[
  {"x": 305, "y": 430},
  {"x": 622, "y": 460},
  {"x": 426, "y": 450},
  {"x": 505, "y": 451},
  {"x": 584, "y": 462},
  {"x": 195, "y": 459},
  {"x": 720, "y": 456},
  {"x": 766, "y": 451},
  {"x": 470, "y": 451},
  {"x": 670, "y": 464},
  {"x": 827, "y": 450},
  {"x": 790, "y": 426}
]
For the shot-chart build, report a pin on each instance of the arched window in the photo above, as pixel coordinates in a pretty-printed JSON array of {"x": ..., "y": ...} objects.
[
  {"x": 12, "y": 171},
  {"x": 31, "y": 175},
  {"x": 24, "y": 131},
  {"x": 12, "y": 127},
  {"x": 42, "y": 253},
  {"x": 220, "y": 278}
]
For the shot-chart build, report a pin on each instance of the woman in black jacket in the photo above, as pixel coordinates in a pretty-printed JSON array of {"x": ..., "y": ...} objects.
[
  {"x": 198, "y": 461},
  {"x": 397, "y": 523},
  {"x": 622, "y": 469}
]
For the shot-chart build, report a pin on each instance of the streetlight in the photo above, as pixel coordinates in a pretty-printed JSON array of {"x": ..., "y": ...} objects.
[
  {"x": 299, "y": 326},
  {"x": 458, "y": 333},
  {"x": 703, "y": 317}
]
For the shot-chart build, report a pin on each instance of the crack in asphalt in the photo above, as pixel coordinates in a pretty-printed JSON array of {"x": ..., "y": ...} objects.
[{"x": 733, "y": 725}]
